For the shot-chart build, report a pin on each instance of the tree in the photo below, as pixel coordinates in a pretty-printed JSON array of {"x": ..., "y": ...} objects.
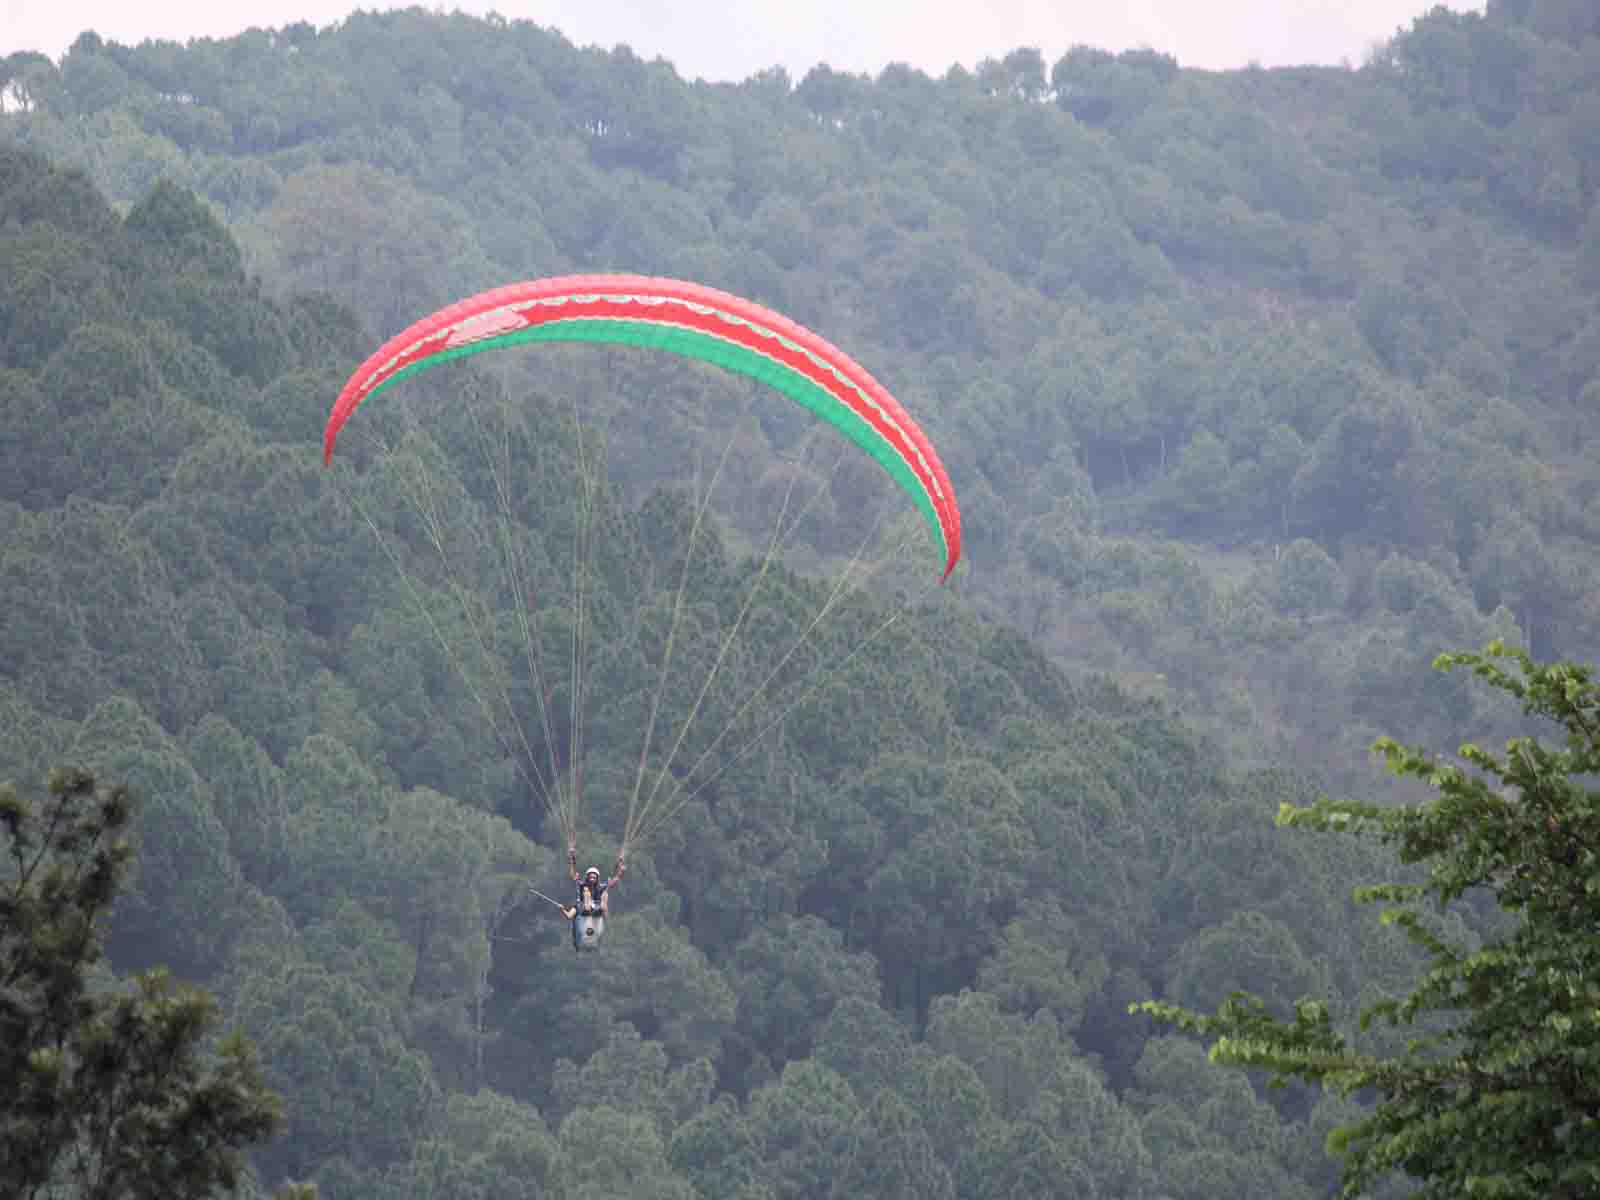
[
  {"x": 789, "y": 977},
  {"x": 893, "y": 1156},
  {"x": 719, "y": 1153},
  {"x": 110, "y": 1091},
  {"x": 1497, "y": 1094},
  {"x": 370, "y": 238},
  {"x": 604, "y": 1152},
  {"x": 360, "y": 1089},
  {"x": 806, "y": 1124},
  {"x": 1045, "y": 959}
]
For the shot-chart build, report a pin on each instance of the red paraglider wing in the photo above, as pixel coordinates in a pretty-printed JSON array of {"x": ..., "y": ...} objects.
[{"x": 688, "y": 319}]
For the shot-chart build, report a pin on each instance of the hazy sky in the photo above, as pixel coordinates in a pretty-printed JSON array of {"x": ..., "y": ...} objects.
[{"x": 731, "y": 39}]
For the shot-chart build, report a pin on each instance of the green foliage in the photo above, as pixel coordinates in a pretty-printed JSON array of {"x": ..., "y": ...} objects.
[
  {"x": 806, "y": 1124},
  {"x": 718, "y": 1152},
  {"x": 1045, "y": 960},
  {"x": 1493, "y": 1094},
  {"x": 324, "y": 1040},
  {"x": 1246, "y": 307},
  {"x": 606, "y": 1150},
  {"x": 893, "y": 1156},
  {"x": 1258, "y": 388},
  {"x": 1308, "y": 579},
  {"x": 791, "y": 974},
  {"x": 112, "y": 1090}
]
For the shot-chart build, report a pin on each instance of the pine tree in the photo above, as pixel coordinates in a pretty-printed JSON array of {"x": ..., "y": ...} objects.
[{"x": 105, "y": 1091}]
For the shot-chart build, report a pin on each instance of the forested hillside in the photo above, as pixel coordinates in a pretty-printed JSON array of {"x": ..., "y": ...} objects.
[
  {"x": 1258, "y": 389},
  {"x": 913, "y": 925}
]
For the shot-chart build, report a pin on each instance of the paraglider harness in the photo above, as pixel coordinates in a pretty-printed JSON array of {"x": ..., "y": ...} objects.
[{"x": 590, "y": 896}]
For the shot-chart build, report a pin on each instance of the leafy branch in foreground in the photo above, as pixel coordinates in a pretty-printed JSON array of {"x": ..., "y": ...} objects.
[
  {"x": 1501, "y": 1097},
  {"x": 107, "y": 1092}
]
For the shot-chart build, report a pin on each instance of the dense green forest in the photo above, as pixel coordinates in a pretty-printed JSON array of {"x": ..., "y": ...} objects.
[{"x": 1258, "y": 388}]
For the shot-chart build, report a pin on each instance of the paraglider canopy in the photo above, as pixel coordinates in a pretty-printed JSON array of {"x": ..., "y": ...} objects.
[
  {"x": 700, "y": 323},
  {"x": 688, "y": 319}
]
